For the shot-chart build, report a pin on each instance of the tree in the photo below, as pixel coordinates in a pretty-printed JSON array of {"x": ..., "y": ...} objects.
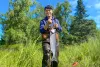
[
  {"x": 17, "y": 24},
  {"x": 62, "y": 14},
  {"x": 81, "y": 27}
]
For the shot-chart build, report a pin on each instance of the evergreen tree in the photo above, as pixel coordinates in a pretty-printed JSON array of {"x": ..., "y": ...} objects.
[{"x": 81, "y": 27}]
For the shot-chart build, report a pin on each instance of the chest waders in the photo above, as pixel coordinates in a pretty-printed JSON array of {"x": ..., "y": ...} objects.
[{"x": 50, "y": 49}]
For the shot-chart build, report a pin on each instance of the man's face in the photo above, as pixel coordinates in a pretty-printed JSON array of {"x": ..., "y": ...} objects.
[{"x": 48, "y": 12}]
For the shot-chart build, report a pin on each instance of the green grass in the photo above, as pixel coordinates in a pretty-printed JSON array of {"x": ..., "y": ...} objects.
[{"x": 86, "y": 54}]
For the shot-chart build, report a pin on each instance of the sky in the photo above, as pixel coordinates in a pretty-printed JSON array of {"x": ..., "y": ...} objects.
[{"x": 92, "y": 7}]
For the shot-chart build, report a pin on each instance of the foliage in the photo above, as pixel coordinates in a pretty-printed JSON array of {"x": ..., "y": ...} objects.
[
  {"x": 21, "y": 22},
  {"x": 86, "y": 54},
  {"x": 81, "y": 27},
  {"x": 19, "y": 26},
  {"x": 62, "y": 14}
]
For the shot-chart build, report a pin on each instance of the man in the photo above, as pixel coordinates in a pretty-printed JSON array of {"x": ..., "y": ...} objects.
[{"x": 48, "y": 23}]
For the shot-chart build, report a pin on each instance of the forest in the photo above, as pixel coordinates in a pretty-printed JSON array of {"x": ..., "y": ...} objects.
[{"x": 21, "y": 42}]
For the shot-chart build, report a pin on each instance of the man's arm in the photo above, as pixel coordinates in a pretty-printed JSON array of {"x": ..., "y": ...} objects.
[{"x": 43, "y": 27}]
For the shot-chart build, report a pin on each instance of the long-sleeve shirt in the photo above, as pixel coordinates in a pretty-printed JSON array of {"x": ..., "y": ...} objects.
[{"x": 44, "y": 22}]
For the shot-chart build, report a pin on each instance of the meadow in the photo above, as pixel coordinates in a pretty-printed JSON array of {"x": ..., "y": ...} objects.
[{"x": 85, "y": 55}]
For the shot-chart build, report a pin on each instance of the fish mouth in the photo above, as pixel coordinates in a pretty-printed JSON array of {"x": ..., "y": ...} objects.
[{"x": 54, "y": 64}]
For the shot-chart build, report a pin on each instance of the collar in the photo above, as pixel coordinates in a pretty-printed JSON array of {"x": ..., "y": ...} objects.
[{"x": 46, "y": 18}]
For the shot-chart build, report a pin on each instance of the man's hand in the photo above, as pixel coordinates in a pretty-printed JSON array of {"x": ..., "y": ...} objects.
[
  {"x": 56, "y": 25},
  {"x": 46, "y": 26},
  {"x": 49, "y": 21}
]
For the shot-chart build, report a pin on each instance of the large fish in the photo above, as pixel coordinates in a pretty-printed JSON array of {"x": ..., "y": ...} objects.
[{"x": 53, "y": 44}]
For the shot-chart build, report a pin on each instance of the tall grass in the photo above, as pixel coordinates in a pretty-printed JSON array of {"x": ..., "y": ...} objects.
[{"x": 86, "y": 55}]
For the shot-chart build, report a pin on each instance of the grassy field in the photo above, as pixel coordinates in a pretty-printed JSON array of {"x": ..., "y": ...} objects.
[{"x": 86, "y": 55}]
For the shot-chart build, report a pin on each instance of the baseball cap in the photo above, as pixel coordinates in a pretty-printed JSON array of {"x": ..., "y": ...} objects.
[{"x": 48, "y": 7}]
